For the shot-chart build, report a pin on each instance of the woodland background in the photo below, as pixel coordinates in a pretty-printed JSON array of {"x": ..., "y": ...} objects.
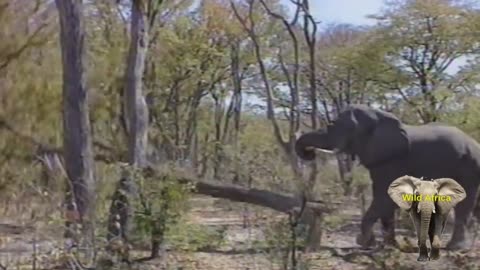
[{"x": 160, "y": 134}]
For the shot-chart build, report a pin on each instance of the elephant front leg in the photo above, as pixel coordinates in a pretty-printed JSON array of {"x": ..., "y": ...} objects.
[
  {"x": 439, "y": 224},
  {"x": 388, "y": 228},
  {"x": 435, "y": 242},
  {"x": 423, "y": 254},
  {"x": 366, "y": 238}
]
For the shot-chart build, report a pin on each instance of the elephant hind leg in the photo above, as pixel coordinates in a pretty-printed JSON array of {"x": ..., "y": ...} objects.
[
  {"x": 463, "y": 211},
  {"x": 435, "y": 252}
]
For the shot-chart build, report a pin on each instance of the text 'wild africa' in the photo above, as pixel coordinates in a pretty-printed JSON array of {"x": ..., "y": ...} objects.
[{"x": 433, "y": 198}]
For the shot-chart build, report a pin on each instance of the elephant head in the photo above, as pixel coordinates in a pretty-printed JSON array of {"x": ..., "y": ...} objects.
[
  {"x": 426, "y": 199},
  {"x": 372, "y": 135}
]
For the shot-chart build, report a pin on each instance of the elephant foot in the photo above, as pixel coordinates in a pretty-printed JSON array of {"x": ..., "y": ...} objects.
[
  {"x": 457, "y": 245},
  {"x": 435, "y": 251},
  {"x": 434, "y": 254},
  {"x": 423, "y": 255},
  {"x": 366, "y": 241},
  {"x": 389, "y": 240},
  {"x": 422, "y": 258}
]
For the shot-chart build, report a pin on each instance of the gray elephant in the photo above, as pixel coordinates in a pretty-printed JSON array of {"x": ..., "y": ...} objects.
[
  {"x": 390, "y": 149},
  {"x": 428, "y": 203}
]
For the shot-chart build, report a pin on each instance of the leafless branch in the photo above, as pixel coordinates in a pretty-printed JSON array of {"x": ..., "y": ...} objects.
[
  {"x": 30, "y": 42},
  {"x": 250, "y": 29}
]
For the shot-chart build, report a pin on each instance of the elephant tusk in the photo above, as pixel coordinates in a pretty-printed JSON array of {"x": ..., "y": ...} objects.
[
  {"x": 326, "y": 151},
  {"x": 312, "y": 148}
]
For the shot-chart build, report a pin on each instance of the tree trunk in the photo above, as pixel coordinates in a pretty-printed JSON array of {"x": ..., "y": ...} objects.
[
  {"x": 158, "y": 226},
  {"x": 310, "y": 35},
  {"x": 218, "y": 147},
  {"x": 345, "y": 167},
  {"x": 191, "y": 139},
  {"x": 315, "y": 231},
  {"x": 76, "y": 123},
  {"x": 136, "y": 110},
  {"x": 204, "y": 161}
]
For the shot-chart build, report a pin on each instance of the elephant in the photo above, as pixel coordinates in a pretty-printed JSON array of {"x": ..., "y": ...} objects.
[
  {"x": 389, "y": 149},
  {"x": 428, "y": 203}
]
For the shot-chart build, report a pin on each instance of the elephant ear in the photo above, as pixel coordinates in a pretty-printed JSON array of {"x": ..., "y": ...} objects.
[
  {"x": 449, "y": 187},
  {"x": 388, "y": 140},
  {"x": 400, "y": 189}
]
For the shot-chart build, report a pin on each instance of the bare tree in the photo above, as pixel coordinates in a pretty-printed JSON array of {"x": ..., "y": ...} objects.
[
  {"x": 339, "y": 84},
  {"x": 249, "y": 25},
  {"x": 76, "y": 123},
  {"x": 310, "y": 30},
  {"x": 291, "y": 72},
  {"x": 237, "y": 74},
  {"x": 136, "y": 116}
]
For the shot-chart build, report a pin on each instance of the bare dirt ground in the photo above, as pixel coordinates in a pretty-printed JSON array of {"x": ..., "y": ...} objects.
[
  {"x": 242, "y": 232},
  {"x": 338, "y": 248}
]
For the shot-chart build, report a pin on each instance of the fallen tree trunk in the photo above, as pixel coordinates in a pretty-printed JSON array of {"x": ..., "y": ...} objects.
[
  {"x": 305, "y": 212},
  {"x": 276, "y": 201}
]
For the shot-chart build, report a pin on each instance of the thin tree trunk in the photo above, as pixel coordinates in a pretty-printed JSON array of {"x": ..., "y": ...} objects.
[
  {"x": 120, "y": 219},
  {"x": 345, "y": 167},
  {"x": 193, "y": 152},
  {"x": 76, "y": 123},
  {"x": 176, "y": 124},
  {"x": 191, "y": 127},
  {"x": 218, "y": 118},
  {"x": 137, "y": 107},
  {"x": 204, "y": 161},
  {"x": 310, "y": 29},
  {"x": 158, "y": 226},
  {"x": 315, "y": 230},
  {"x": 235, "y": 107}
]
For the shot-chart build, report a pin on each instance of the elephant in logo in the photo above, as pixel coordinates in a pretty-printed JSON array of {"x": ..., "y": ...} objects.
[{"x": 428, "y": 204}]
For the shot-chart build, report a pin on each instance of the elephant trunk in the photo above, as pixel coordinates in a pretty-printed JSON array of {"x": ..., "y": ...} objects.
[
  {"x": 426, "y": 210},
  {"x": 315, "y": 139}
]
